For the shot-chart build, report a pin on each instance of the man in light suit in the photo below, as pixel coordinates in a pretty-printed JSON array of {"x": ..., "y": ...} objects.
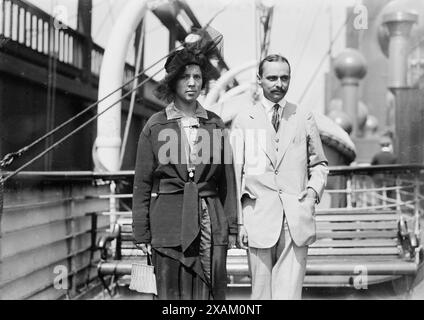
[{"x": 281, "y": 171}]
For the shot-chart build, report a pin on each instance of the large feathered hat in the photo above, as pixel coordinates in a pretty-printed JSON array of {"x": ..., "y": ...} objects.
[{"x": 200, "y": 47}]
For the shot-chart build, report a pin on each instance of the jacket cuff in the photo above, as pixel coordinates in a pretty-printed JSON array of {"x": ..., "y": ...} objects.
[
  {"x": 143, "y": 239},
  {"x": 317, "y": 200}
]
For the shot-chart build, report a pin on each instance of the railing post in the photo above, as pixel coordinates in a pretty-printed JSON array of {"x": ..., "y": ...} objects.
[
  {"x": 364, "y": 195},
  {"x": 374, "y": 194},
  {"x": 398, "y": 196},
  {"x": 84, "y": 27},
  {"x": 349, "y": 191},
  {"x": 417, "y": 206},
  {"x": 112, "y": 205},
  {"x": 93, "y": 249},
  {"x": 384, "y": 193},
  {"x": 70, "y": 241},
  {"x": 93, "y": 231}
]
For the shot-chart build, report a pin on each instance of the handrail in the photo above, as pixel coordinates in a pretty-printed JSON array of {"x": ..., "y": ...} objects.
[
  {"x": 370, "y": 189},
  {"x": 34, "y": 28},
  {"x": 357, "y": 187},
  {"x": 69, "y": 175},
  {"x": 31, "y": 8},
  {"x": 395, "y": 168},
  {"x": 128, "y": 174}
]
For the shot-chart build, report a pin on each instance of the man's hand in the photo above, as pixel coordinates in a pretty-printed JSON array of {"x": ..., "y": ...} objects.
[
  {"x": 145, "y": 247},
  {"x": 232, "y": 239},
  {"x": 308, "y": 193},
  {"x": 242, "y": 238}
]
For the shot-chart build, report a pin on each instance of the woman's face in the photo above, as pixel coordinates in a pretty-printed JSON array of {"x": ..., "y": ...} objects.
[{"x": 189, "y": 84}]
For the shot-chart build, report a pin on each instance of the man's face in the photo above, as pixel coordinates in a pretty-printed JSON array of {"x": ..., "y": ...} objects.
[
  {"x": 189, "y": 84},
  {"x": 275, "y": 80}
]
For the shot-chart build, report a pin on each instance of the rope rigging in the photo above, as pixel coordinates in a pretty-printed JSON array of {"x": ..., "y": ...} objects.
[
  {"x": 327, "y": 53},
  {"x": 305, "y": 45},
  {"x": 264, "y": 16},
  {"x": 41, "y": 154},
  {"x": 132, "y": 103},
  {"x": 10, "y": 157}
]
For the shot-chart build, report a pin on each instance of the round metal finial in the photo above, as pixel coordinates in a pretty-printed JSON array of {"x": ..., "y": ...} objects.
[
  {"x": 397, "y": 11},
  {"x": 342, "y": 119},
  {"x": 350, "y": 64}
]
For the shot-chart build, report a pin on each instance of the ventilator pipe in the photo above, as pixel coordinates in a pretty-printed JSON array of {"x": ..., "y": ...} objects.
[
  {"x": 108, "y": 141},
  {"x": 235, "y": 92},
  {"x": 325, "y": 125},
  {"x": 227, "y": 113},
  {"x": 223, "y": 81},
  {"x": 399, "y": 25},
  {"x": 350, "y": 68}
]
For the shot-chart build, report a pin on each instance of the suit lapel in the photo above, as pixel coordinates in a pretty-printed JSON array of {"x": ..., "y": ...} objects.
[
  {"x": 262, "y": 122},
  {"x": 286, "y": 131}
]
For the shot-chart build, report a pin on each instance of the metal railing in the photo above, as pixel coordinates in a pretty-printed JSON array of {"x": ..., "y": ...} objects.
[
  {"x": 30, "y": 200},
  {"x": 96, "y": 63},
  {"x": 350, "y": 189},
  {"x": 96, "y": 59},
  {"x": 31, "y": 27},
  {"x": 391, "y": 187}
]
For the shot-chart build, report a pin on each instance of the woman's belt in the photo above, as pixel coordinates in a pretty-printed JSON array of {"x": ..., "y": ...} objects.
[{"x": 190, "y": 225}]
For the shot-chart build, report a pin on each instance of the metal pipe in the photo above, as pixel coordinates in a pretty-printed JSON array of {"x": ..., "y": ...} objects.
[
  {"x": 223, "y": 81},
  {"x": 108, "y": 142},
  {"x": 350, "y": 68},
  {"x": 399, "y": 25}
]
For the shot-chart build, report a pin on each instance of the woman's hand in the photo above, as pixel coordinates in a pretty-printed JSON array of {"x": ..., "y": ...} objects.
[
  {"x": 242, "y": 238},
  {"x": 232, "y": 239},
  {"x": 145, "y": 247}
]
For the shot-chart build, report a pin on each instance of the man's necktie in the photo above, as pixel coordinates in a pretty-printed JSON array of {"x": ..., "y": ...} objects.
[{"x": 275, "y": 117}]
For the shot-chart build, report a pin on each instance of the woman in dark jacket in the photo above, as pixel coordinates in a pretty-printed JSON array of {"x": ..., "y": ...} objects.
[{"x": 184, "y": 201}]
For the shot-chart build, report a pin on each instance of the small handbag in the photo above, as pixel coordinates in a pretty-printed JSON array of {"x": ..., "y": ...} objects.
[{"x": 143, "y": 277}]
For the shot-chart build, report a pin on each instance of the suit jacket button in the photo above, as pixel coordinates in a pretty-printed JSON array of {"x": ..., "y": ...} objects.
[
  {"x": 276, "y": 172},
  {"x": 280, "y": 191},
  {"x": 277, "y": 140}
]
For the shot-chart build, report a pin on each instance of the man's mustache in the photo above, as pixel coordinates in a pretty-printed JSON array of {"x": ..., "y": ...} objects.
[{"x": 279, "y": 91}]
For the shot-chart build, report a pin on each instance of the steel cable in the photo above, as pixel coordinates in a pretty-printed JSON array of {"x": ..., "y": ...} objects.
[{"x": 82, "y": 126}]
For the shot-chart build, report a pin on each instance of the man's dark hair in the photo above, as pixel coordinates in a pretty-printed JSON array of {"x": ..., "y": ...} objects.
[{"x": 272, "y": 58}]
